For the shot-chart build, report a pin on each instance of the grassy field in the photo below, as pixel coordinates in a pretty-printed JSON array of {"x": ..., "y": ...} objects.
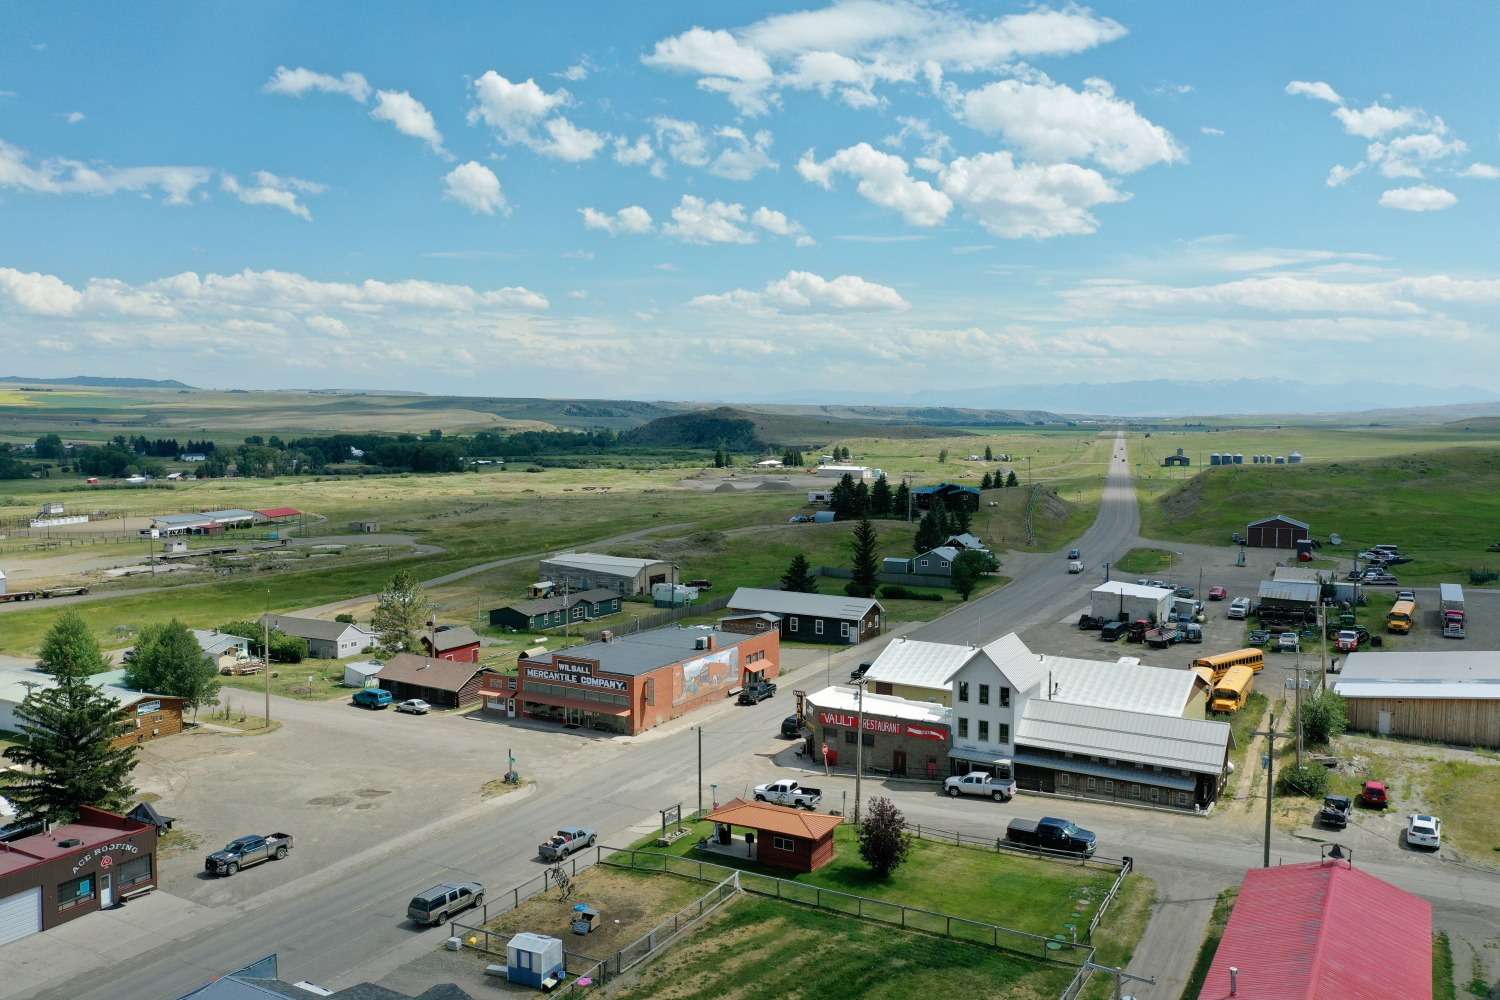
[
  {"x": 1211, "y": 938},
  {"x": 1443, "y": 987},
  {"x": 1446, "y": 504}
]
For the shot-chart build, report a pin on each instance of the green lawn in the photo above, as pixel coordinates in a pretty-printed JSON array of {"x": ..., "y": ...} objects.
[
  {"x": 1211, "y": 938},
  {"x": 1022, "y": 893},
  {"x": 762, "y": 949}
]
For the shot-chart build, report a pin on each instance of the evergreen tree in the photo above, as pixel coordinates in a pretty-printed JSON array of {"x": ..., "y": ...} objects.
[
  {"x": 943, "y": 455},
  {"x": 986, "y": 483},
  {"x": 929, "y": 533},
  {"x": 719, "y": 459},
  {"x": 989, "y": 456},
  {"x": 880, "y": 497},
  {"x": 67, "y": 760},
  {"x": 866, "y": 565},
  {"x": 401, "y": 614},
  {"x": 963, "y": 518},
  {"x": 941, "y": 518},
  {"x": 861, "y": 499},
  {"x": 901, "y": 502},
  {"x": 169, "y": 661},
  {"x": 69, "y": 649},
  {"x": 844, "y": 499},
  {"x": 799, "y": 578},
  {"x": 1011, "y": 480}
]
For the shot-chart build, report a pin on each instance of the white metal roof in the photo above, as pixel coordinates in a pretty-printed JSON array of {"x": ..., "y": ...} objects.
[
  {"x": 600, "y": 564},
  {"x": 1197, "y": 745},
  {"x": 1295, "y": 574},
  {"x": 1132, "y": 687},
  {"x": 1120, "y": 587},
  {"x": 1289, "y": 590},
  {"x": 1279, "y": 517},
  {"x": 785, "y": 602},
  {"x": 845, "y": 699},
  {"x": 919, "y": 664},
  {"x": 1023, "y": 668},
  {"x": 1462, "y": 675}
]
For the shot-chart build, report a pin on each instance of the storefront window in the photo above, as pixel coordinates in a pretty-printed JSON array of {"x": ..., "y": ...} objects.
[
  {"x": 80, "y": 890},
  {"x": 135, "y": 872}
]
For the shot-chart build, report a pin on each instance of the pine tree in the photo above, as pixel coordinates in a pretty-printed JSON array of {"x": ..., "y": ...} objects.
[
  {"x": 169, "y": 661},
  {"x": 67, "y": 760},
  {"x": 719, "y": 459},
  {"x": 941, "y": 518},
  {"x": 901, "y": 502},
  {"x": 989, "y": 456},
  {"x": 861, "y": 499},
  {"x": 866, "y": 566},
  {"x": 401, "y": 614},
  {"x": 69, "y": 648},
  {"x": 844, "y": 499},
  {"x": 986, "y": 483},
  {"x": 929, "y": 533},
  {"x": 799, "y": 578},
  {"x": 880, "y": 497},
  {"x": 1011, "y": 480},
  {"x": 963, "y": 519}
]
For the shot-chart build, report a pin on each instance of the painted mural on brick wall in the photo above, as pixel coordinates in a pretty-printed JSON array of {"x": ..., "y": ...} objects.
[{"x": 715, "y": 673}]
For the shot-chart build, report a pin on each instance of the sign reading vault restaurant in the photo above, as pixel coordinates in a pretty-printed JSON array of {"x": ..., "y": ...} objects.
[
  {"x": 874, "y": 725},
  {"x": 580, "y": 672}
]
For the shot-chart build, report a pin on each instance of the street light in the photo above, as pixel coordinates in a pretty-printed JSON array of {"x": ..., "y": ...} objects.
[{"x": 859, "y": 744}]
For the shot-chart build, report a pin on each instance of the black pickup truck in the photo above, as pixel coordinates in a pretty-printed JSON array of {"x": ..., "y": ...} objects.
[
  {"x": 1052, "y": 834},
  {"x": 243, "y": 852},
  {"x": 756, "y": 693}
]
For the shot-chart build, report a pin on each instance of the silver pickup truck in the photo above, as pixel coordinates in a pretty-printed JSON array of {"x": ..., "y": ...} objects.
[{"x": 243, "y": 852}]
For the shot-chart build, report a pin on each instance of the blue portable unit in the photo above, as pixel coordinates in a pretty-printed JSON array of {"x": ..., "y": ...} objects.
[{"x": 532, "y": 958}]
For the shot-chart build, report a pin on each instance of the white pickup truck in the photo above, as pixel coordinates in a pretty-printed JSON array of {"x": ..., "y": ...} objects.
[
  {"x": 789, "y": 793},
  {"x": 980, "y": 783}
]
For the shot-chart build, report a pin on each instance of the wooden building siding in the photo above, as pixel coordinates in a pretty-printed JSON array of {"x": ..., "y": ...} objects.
[
  {"x": 805, "y": 856},
  {"x": 166, "y": 720},
  {"x": 806, "y": 628},
  {"x": 1462, "y": 722}
]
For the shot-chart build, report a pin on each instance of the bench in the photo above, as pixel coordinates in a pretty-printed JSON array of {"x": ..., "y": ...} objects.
[
  {"x": 734, "y": 691},
  {"x": 132, "y": 894}
]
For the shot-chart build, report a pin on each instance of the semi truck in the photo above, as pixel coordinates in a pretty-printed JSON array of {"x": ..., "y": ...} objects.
[
  {"x": 1451, "y": 609},
  {"x": 32, "y": 595}
]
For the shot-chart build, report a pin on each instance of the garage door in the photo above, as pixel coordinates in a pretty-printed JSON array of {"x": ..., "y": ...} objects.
[{"x": 20, "y": 915}]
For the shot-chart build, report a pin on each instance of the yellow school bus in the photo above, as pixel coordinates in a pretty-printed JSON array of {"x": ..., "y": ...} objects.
[
  {"x": 1250, "y": 657},
  {"x": 1233, "y": 689},
  {"x": 1401, "y": 616}
]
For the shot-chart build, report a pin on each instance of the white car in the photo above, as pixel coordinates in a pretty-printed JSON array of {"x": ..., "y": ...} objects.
[
  {"x": 1424, "y": 831},
  {"x": 416, "y": 706}
]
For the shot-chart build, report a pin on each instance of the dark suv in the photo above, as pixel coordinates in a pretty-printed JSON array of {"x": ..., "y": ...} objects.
[
  {"x": 791, "y": 727},
  {"x": 1114, "y": 631}
]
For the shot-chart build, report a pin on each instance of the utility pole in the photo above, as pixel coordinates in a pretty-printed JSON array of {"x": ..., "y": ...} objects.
[
  {"x": 1297, "y": 698},
  {"x": 700, "y": 769},
  {"x": 1271, "y": 736},
  {"x": 265, "y": 656},
  {"x": 859, "y": 744}
]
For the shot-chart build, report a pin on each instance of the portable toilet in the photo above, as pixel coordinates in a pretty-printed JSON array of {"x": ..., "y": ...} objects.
[{"x": 531, "y": 959}]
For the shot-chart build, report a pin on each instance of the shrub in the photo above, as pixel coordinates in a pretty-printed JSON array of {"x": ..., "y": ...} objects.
[
  {"x": 896, "y": 592},
  {"x": 1324, "y": 716},
  {"x": 1309, "y": 781}
]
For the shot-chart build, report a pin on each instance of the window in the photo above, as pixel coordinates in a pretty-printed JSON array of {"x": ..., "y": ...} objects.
[
  {"x": 869, "y": 739},
  {"x": 984, "y": 730},
  {"x": 80, "y": 890},
  {"x": 1091, "y": 784},
  {"x": 818, "y": 627},
  {"x": 963, "y": 690},
  {"x": 848, "y": 736},
  {"x": 922, "y": 562},
  {"x": 963, "y": 728},
  {"x": 1064, "y": 780},
  {"x": 135, "y": 872},
  {"x": 793, "y": 622},
  {"x": 844, "y": 629},
  {"x": 1005, "y": 697},
  {"x": 1135, "y": 791},
  {"x": 830, "y": 735},
  {"x": 1109, "y": 788},
  {"x": 784, "y": 843},
  {"x": 943, "y": 564},
  {"x": 1156, "y": 795},
  {"x": 1182, "y": 798},
  {"x": 984, "y": 694},
  {"x": 1003, "y": 735}
]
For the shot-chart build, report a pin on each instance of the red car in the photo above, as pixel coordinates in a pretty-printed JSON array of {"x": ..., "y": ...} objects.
[
  {"x": 1217, "y": 593},
  {"x": 1374, "y": 795}
]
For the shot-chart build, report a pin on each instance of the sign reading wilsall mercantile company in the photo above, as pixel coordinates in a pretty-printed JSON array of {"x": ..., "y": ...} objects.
[{"x": 573, "y": 672}]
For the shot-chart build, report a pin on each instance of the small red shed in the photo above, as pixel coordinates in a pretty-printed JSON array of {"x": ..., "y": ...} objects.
[
  {"x": 458, "y": 643},
  {"x": 786, "y": 838}
]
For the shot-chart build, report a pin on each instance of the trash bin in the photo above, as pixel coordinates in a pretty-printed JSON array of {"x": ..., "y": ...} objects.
[
  {"x": 725, "y": 834},
  {"x": 832, "y": 757}
]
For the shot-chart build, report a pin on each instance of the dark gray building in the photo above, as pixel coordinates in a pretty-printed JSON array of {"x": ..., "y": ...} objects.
[{"x": 814, "y": 617}]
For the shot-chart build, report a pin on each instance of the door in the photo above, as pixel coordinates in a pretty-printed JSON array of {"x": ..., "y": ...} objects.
[
  {"x": 106, "y": 890},
  {"x": 898, "y": 762},
  {"x": 1383, "y": 724},
  {"x": 21, "y": 914},
  {"x": 510, "y": 708}
]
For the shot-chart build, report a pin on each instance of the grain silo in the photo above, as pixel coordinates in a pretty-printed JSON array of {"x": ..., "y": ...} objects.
[
  {"x": 1239, "y": 459},
  {"x": 1295, "y": 458}
]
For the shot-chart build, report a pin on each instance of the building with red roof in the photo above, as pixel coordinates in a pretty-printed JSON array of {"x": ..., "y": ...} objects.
[
  {"x": 1323, "y": 930},
  {"x": 278, "y": 513},
  {"x": 787, "y": 838}
]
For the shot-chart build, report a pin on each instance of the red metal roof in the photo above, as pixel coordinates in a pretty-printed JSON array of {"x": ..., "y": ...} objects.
[
  {"x": 775, "y": 819},
  {"x": 279, "y": 512},
  {"x": 1324, "y": 931}
]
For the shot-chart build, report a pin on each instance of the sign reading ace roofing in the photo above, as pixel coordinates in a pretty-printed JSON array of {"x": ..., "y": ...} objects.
[
  {"x": 890, "y": 726},
  {"x": 580, "y": 672}
]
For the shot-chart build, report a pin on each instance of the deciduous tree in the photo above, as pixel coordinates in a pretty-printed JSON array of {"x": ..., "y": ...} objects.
[
  {"x": 969, "y": 568},
  {"x": 69, "y": 648},
  {"x": 883, "y": 841},
  {"x": 400, "y": 614},
  {"x": 169, "y": 661}
]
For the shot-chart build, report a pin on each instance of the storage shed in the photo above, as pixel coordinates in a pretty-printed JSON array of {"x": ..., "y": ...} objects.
[
  {"x": 1121, "y": 601},
  {"x": 531, "y": 959},
  {"x": 362, "y": 674},
  {"x": 1440, "y": 697},
  {"x": 1279, "y": 532}
]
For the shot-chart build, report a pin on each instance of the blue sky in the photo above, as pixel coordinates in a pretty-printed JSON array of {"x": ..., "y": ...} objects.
[{"x": 698, "y": 202}]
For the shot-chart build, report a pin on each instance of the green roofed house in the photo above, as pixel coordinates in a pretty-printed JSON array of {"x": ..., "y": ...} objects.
[{"x": 553, "y": 612}]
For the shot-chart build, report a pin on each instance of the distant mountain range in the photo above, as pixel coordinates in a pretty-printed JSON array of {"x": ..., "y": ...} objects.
[
  {"x": 106, "y": 383},
  {"x": 1164, "y": 397}
]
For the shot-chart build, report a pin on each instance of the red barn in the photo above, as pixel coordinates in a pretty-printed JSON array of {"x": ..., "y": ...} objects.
[
  {"x": 458, "y": 643},
  {"x": 1279, "y": 532}
]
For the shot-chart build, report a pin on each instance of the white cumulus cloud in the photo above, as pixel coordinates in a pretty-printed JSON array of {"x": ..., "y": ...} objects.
[
  {"x": 883, "y": 178},
  {"x": 805, "y": 292},
  {"x": 59, "y": 175},
  {"x": 631, "y": 220},
  {"x": 74, "y": 117},
  {"x": 1027, "y": 200},
  {"x": 1421, "y": 198},
  {"x": 476, "y": 187},
  {"x": 409, "y": 116},
  {"x": 296, "y": 82},
  {"x": 1480, "y": 171},
  {"x": 269, "y": 189},
  {"x": 695, "y": 220},
  {"x": 524, "y": 114}
]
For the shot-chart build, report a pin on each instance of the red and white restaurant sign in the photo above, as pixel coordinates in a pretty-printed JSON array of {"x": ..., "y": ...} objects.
[{"x": 891, "y": 726}]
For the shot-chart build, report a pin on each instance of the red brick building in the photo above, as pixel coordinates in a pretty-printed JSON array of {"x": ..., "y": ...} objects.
[
  {"x": 74, "y": 869},
  {"x": 631, "y": 683}
]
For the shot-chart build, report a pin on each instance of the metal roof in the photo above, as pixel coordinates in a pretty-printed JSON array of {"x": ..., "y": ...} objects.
[
  {"x": 1196, "y": 745},
  {"x": 312, "y": 628},
  {"x": 454, "y": 638},
  {"x": 543, "y": 605},
  {"x": 785, "y": 602},
  {"x": 775, "y": 819},
  {"x": 279, "y": 512},
  {"x": 230, "y": 516},
  {"x": 181, "y": 519},
  {"x": 1120, "y": 587},
  {"x": 595, "y": 563},
  {"x": 1463, "y": 675},
  {"x": 1289, "y": 590},
  {"x": 1167, "y": 779},
  {"x": 1279, "y": 517},
  {"x": 642, "y": 652},
  {"x": 1324, "y": 929},
  {"x": 947, "y": 552},
  {"x": 1132, "y": 687},
  {"x": 919, "y": 664},
  {"x": 846, "y": 699},
  {"x": 1023, "y": 668},
  {"x": 1295, "y": 574}
]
